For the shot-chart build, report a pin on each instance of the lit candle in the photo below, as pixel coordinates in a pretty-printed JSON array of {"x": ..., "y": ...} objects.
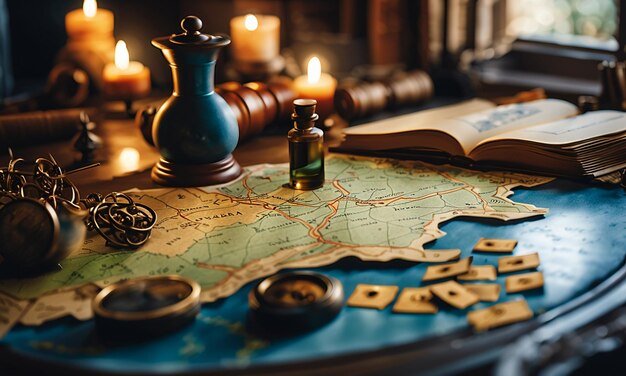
[
  {"x": 317, "y": 85},
  {"x": 125, "y": 79},
  {"x": 90, "y": 42},
  {"x": 89, "y": 22},
  {"x": 255, "y": 38}
]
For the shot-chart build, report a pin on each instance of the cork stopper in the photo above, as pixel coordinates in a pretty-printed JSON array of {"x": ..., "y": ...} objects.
[{"x": 304, "y": 116}]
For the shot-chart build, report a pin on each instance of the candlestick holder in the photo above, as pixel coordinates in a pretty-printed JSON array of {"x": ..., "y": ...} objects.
[
  {"x": 121, "y": 107},
  {"x": 195, "y": 130},
  {"x": 256, "y": 70}
]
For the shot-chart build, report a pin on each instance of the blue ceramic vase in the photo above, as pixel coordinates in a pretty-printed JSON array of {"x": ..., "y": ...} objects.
[{"x": 195, "y": 130}]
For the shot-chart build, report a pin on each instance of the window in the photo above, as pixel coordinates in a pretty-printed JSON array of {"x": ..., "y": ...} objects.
[{"x": 580, "y": 23}]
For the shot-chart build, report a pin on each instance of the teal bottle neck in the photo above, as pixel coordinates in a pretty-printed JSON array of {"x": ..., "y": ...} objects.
[{"x": 193, "y": 79}]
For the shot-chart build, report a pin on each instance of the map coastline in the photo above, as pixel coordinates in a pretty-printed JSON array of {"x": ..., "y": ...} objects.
[{"x": 374, "y": 209}]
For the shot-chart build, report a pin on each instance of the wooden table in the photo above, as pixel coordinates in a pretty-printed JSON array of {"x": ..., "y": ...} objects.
[
  {"x": 582, "y": 235},
  {"x": 120, "y": 170}
]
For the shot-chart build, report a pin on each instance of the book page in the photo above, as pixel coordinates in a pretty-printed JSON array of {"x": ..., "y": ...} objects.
[
  {"x": 470, "y": 130},
  {"x": 576, "y": 129},
  {"x": 469, "y": 123},
  {"x": 419, "y": 120}
]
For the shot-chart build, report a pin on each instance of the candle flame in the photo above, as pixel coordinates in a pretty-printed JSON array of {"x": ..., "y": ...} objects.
[
  {"x": 314, "y": 70},
  {"x": 90, "y": 7},
  {"x": 251, "y": 23},
  {"x": 121, "y": 55}
]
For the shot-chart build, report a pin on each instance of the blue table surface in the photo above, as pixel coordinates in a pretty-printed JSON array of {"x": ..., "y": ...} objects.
[{"x": 581, "y": 242}]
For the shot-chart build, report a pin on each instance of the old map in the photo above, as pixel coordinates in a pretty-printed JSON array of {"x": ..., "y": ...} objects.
[{"x": 224, "y": 237}]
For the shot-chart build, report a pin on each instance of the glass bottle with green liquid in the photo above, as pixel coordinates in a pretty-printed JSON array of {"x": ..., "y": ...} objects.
[{"x": 306, "y": 147}]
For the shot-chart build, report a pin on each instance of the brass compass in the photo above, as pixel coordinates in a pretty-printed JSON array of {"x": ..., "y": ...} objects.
[
  {"x": 295, "y": 301},
  {"x": 146, "y": 306}
]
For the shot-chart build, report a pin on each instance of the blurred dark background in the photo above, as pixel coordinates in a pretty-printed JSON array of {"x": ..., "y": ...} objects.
[
  {"x": 497, "y": 43},
  {"x": 303, "y": 23}
]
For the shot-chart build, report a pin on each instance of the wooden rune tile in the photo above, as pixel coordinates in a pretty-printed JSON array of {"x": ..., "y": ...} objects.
[
  {"x": 372, "y": 296},
  {"x": 515, "y": 263},
  {"x": 495, "y": 245},
  {"x": 415, "y": 300},
  {"x": 486, "y": 292},
  {"x": 523, "y": 282},
  {"x": 479, "y": 273},
  {"x": 454, "y": 294},
  {"x": 434, "y": 272},
  {"x": 499, "y": 315}
]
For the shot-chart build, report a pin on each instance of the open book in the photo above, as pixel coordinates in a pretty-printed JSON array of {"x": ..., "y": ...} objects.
[{"x": 543, "y": 136}]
